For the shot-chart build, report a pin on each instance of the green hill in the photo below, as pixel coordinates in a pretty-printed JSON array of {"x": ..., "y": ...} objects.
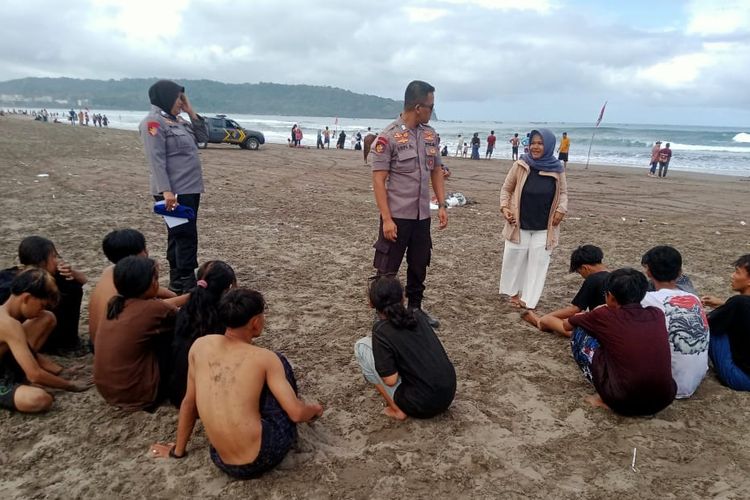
[{"x": 250, "y": 98}]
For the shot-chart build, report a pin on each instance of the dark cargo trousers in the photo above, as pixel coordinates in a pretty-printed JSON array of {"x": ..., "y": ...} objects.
[
  {"x": 413, "y": 239},
  {"x": 182, "y": 247}
]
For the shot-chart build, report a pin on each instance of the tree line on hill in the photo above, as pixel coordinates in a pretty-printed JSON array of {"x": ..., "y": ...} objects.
[{"x": 245, "y": 98}]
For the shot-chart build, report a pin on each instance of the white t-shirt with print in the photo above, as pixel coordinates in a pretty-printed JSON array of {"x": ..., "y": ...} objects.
[{"x": 687, "y": 326}]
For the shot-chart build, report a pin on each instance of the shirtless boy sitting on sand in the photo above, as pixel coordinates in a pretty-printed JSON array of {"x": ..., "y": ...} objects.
[
  {"x": 246, "y": 396},
  {"x": 117, "y": 245},
  {"x": 24, "y": 327}
]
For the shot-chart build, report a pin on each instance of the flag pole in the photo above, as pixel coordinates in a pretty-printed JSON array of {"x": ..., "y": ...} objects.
[
  {"x": 588, "y": 156},
  {"x": 596, "y": 126}
]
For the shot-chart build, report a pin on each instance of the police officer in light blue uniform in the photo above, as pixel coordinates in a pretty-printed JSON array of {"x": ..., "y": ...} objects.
[{"x": 170, "y": 144}]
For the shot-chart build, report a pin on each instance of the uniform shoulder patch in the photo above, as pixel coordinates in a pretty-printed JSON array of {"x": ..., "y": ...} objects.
[
  {"x": 153, "y": 128},
  {"x": 380, "y": 144}
]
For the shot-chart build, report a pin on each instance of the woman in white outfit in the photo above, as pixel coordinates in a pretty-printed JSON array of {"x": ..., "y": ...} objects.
[{"x": 534, "y": 200}]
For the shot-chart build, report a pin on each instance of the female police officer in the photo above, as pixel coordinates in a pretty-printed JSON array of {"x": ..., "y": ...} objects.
[{"x": 171, "y": 148}]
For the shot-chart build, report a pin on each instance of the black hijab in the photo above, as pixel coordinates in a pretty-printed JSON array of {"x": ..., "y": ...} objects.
[{"x": 164, "y": 93}]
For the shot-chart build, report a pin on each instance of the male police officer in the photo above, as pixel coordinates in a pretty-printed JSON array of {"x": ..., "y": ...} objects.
[
  {"x": 405, "y": 159},
  {"x": 171, "y": 148}
]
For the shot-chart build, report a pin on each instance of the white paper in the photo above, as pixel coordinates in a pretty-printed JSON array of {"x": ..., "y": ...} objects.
[{"x": 174, "y": 221}]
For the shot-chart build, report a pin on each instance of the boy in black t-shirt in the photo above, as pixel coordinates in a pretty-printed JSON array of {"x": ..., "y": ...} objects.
[
  {"x": 729, "y": 343},
  {"x": 585, "y": 260},
  {"x": 404, "y": 358},
  {"x": 40, "y": 252}
]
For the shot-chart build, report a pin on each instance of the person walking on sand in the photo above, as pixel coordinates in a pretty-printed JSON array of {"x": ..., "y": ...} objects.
[
  {"x": 564, "y": 149},
  {"x": 405, "y": 160},
  {"x": 170, "y": 144},
  {"x": 327, "y": 138},
  {"x": 654, "y": 158},
  {"x": 665, "y": 156}
]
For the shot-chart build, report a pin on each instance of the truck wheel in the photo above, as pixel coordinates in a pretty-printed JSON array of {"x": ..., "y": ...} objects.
[
  {"x": 251, "y": 143},
  {"x": 202, "y": 145}
]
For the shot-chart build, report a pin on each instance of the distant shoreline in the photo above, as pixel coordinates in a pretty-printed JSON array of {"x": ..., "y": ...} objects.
[{"x": 277, "y": 134}]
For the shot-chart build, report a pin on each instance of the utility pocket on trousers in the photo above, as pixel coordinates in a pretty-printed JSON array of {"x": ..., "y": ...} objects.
[{"x": 382, "y": 249}]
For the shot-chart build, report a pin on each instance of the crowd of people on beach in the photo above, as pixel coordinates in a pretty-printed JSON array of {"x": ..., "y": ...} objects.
[
  {"x": 82, "y": 117},
  {"x": 641, "y": 338},
  {"x": 475, "y": 143},
  {"x": 324, "y": 135}
]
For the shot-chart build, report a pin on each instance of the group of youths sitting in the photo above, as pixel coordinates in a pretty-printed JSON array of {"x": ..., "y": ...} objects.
[
  {"x": 195, "y": 350},
  {"x": 639, "y": 348},
  {"x": 644, "y": 340}
]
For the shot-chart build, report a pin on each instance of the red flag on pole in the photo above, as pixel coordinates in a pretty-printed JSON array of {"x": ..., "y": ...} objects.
[{"x": 601, "y": 114}]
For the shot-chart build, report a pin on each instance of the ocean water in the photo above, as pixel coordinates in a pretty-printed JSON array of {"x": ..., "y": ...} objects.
[{"x": 719, "y": 150}]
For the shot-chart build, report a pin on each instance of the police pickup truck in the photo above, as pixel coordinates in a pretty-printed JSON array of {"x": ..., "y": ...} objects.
[{"x": 223, "y": 130}]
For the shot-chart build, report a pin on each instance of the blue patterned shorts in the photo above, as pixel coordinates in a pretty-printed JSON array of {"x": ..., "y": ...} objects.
[{"x": 584, "y": 346}]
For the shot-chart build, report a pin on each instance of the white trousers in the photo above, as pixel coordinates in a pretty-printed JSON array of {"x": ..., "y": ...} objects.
[{"x": 525, "y": 267}]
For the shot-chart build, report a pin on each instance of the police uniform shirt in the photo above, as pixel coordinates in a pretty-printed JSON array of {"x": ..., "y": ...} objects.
[
  {"x": 409, "y": 156},
  {"x": 172, "y": 152}
]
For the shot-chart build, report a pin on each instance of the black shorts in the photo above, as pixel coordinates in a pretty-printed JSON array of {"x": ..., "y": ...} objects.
[
  {"x": 515, "y": 149},
  {"x": 11, "y": 378},
  {"x": 562, "y": 157}
]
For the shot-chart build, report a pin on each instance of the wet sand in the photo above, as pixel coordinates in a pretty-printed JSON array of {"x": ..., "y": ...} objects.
[{"x": 299, "y": 226}]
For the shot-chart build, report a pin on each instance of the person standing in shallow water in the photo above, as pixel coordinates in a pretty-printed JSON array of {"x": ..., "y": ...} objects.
[
  {"x": 405, "y": 160},
  {"x": 475, "y": 144},
  {"x": 170, "y": 144}
]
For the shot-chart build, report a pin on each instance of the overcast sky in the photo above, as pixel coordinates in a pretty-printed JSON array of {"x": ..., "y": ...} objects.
[{"x": 657, "y": 61}]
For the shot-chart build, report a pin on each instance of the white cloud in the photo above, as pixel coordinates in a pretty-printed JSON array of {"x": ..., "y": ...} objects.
[
  {"x": 423, "y": 14},
  {"x": 712, "y": 17},
  {"x": 472, "y": 51},
  {"x": 128, "y": 17},
  {"x": 678, "y": 71},
  {"x": 542, "y": 6}
]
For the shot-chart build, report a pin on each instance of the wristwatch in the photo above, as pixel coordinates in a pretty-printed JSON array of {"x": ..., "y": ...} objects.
[{"x": 442, "y": 205}]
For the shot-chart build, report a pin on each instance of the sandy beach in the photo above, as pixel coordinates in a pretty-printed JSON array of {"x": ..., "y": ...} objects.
[{"x": 298, "y": 225}]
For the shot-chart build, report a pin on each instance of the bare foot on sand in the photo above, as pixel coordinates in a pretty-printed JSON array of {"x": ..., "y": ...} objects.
[
  {"x": 531, "y": 318},
  {"x": 394, "y": 413},
  {"x": 596, "y": 401}
]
